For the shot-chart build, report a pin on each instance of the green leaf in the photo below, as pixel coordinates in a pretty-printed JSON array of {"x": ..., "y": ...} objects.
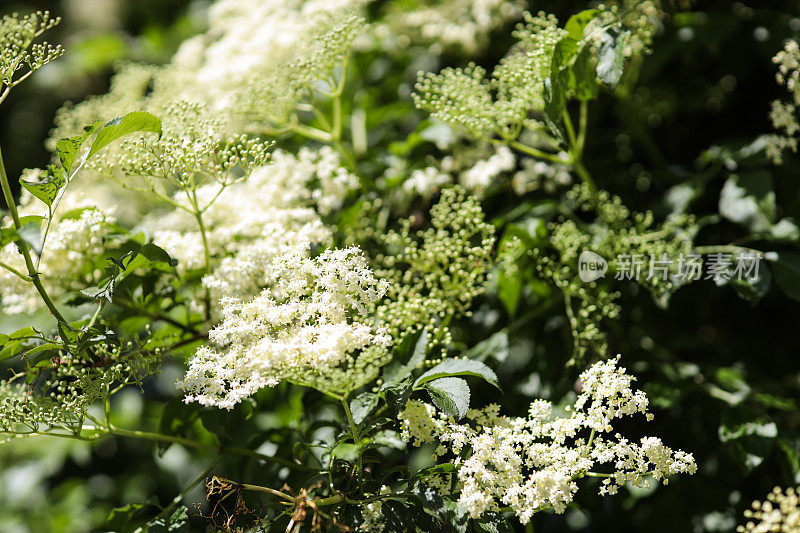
[
  {"x": 458, "y": 367},
  {"x": 441, "y": 507},
  {"x": 68, "y": 149},
  {"x": 396, "y": 372},
  {"x": 492, "y": 522},
  {"x": 583, "y": 81},
  {"x": 610, "y": 55},
  {"x": 30, "y": 231},
  {"x": 786, "y": 269},
  {"x": 395, "y": 516},
  {"x": 177, "y": 521},
  {"x": 362, "y": 405},
  {"x": 135, "y": 121},
  {"x": 577, "y": 23},
  {"x": 748, "y": 199},
  {"x": 495, "y": 347},
  {"x": 753, "y": 289},
  {"x": 509, "y": 290},
  {"x": 177, "y": 419},
  {"x": 125, "y": 519},
  {"x": 555, "y": 86},
  {"x": 451, "y": 395},
  {"x": 13, "y": 343},
  {"x": 397, "y": 395},
  {"x": 47, "y": 189}
]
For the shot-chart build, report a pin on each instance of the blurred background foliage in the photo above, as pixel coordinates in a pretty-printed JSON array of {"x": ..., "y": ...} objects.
[{"x": 723, "y": 373}]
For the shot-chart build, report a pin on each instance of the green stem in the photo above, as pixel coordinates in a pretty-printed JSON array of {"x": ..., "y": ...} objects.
[
  {"x": 207, "y": 267},
  {"x": 570, "y": 129},
  {"x": 159, "y": 437},
  {"x": 531, "y": 151},
  {"x": 312, "y": 133},
  {"x": 582, "y": 126},
  {"x": 356, "y": 437},
  {"x": 23, "y": 246},
  {"x": 16, "y": 272},
  {"x": 584, "y": 175},
  {"x": 598, "y": 474},
  {"x": 724, "y": 249}
]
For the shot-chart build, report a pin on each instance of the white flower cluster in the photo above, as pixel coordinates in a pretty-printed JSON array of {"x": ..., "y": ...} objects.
[
  {"x": 481, "y": 175},
  {"x": 426, "y": 182},
  {"x": 312, "y": 327},
  {"x": 68, "y": 262},
  {"x": 465, "y": 25},
  {"x": 476, "y": 174},
  {"x": 534, "y": 462},
  {"x": 783, "y": 115},
  {"x": 247, "y": 68},
  {"x": 536, "y": 175},
  {"x": 779, "y": 513},
  {"x": 372, "y": 515},
  {"x": 274, "y": 211}
]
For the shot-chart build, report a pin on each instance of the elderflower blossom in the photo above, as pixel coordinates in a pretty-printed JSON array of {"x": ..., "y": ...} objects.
[
  {"x": 529, "y": 463},
  {"x": 481, "y": 175},
  {"x": 783, "y": 115},
  {"x": 426, "y": 182},
  {"x": 372, "y": 517},
  {"x": 311, "y": 326},
  {"x": 74, "y": 245},
  {"x": 465, "y": 25},
  {"x": 257, "y": 60},
  {"x": 275, "y": 211},
  {"x": 780, "y": 512}
]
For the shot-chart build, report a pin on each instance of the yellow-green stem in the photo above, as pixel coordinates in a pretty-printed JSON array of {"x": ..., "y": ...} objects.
[
  {"x": 356, "y": 438},
  {"x": 23, "y": 246}
]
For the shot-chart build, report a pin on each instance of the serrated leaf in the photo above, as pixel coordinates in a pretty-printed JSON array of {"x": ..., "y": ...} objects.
[
  {"x": 47, "y": 189},
  {"x": 362, "y": 405},
  {"x": 177, "y": 521},
  {"x": 610, "y": 55},
  {"x": 135, "y": 121},
  {"x": 69, "y": 148},
  {"x": 397, "y": 395},
  {"x": 458, "y": 367},
  {"x": 451, "y": 395},
  {"x": 577, "y": 23}
]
